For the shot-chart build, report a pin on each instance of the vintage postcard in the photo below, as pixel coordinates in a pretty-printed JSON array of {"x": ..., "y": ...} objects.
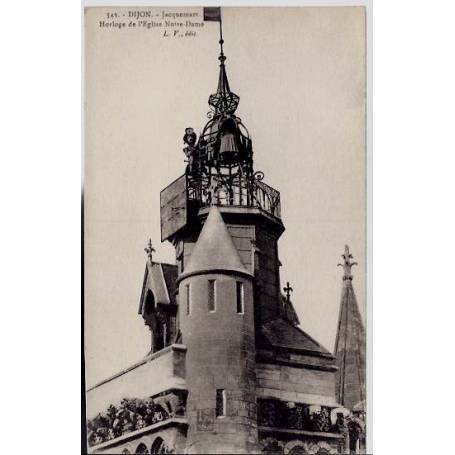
[{"x": 225, "y": 230}]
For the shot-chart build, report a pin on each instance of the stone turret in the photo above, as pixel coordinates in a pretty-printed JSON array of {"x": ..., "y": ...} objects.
[{"x": 217, "y": 325}]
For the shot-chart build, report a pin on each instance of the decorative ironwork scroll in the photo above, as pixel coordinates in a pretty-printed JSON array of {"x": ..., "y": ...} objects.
[
  {"x": 236, "y": 191},
  {"x": 220, "y": 162}
]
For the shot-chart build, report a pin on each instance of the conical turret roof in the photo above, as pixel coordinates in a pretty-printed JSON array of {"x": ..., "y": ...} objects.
[{"x": 214, "y": 249}]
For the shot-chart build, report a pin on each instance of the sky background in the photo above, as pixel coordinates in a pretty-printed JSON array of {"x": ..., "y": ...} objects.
[{"x": 300, "y": 75}]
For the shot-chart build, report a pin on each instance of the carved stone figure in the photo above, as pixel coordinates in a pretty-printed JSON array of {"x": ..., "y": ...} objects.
[
  {"x": 321, "y": 420},
  {"x": 171, "y": 403}
]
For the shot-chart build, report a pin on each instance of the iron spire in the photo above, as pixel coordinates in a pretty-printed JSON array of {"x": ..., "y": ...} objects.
[{"x": 223, "y": 101}]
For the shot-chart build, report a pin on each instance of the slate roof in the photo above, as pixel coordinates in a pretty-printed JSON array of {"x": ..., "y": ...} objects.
[
  {"x": 214, "y": 249},
  {"x": 160, "y": 278},
  {"x": 170, "y": 278},
  {"x": 350, "y": 350},
  {"x": 289, "y": 312},
  {"x": 282, "y": 334}
]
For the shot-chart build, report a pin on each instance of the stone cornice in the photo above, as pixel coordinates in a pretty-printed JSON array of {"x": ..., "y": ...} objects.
[
  {"x": 318, "y": 434},
  {"x": 242, "y": 211},
  {"x": 267, "y": 356},
  {"x": 184, "y": 275}
]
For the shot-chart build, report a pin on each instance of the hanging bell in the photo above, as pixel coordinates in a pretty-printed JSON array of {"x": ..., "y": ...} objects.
[{"x": 228, "y": 147}]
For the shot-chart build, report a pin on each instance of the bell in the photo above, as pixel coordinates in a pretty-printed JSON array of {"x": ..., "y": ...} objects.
[{"x": 228, "y": 146}]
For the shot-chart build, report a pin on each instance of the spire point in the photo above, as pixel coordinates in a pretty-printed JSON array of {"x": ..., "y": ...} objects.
[{"x": 223, "y": 101}]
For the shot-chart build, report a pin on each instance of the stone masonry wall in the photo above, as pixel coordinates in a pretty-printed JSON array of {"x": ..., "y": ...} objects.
[{"x": 302, "y": 385}]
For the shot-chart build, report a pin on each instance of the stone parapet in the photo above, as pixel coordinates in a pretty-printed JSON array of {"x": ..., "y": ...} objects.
[{"x": 157, "y": 373}]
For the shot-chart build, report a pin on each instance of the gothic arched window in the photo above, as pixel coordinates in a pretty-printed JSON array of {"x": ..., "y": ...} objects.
[
  {"x": 273, "y": 447},
  {"x": 162, "y": 332},
  {"x": 149, "y": 303},
  {"x": 159, "y": 446},
  {"x": 142, "y": 448}
]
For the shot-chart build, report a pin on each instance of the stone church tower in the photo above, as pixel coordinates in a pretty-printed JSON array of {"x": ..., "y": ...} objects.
[{"x": 228, "y": 369}]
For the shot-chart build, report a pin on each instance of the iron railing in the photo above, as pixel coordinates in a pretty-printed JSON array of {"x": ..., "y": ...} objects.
[{"x": 238, "y": 191}]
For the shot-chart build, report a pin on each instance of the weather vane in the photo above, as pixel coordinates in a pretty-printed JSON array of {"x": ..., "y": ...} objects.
[
  {"x": 347, "y": 264},
  {"x": 223, "y": 101}
]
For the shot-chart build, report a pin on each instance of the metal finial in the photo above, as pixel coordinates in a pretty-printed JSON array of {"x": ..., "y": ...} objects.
[
  {"x": 347, "y": 264},
  {"x": 221, "y": 58},
  {"x": 288, "y": 291},
  {"x": 149, "y": 250},
  {"x": 223, "y": 101},
  {"x": 213, "y": 14}
]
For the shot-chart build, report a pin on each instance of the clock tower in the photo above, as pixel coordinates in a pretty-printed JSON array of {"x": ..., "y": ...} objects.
[{"x": 224, "y": 222}]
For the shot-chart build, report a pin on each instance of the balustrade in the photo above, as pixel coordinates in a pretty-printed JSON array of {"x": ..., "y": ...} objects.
[{"x": 298, "y": 416}]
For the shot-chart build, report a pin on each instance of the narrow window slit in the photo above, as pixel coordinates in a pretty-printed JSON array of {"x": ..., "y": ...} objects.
[
  {"x": 220, "y": 402},
  {"x": 188, "y": 299},
  {"x": 240, "y": 298},
  {"x": 212, "y": 295}
]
